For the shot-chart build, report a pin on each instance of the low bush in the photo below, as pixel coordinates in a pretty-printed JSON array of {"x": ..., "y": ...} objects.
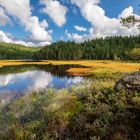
[{"x": 92, "y": 111}]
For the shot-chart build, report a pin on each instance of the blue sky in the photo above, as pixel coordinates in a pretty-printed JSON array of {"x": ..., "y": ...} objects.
[{"x": 41, "y": 22}]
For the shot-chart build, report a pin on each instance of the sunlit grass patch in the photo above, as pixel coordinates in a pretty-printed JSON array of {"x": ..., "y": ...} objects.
[
  {"x": 106, "y": 73},
  {"x": 103, "y": 84},
  {"x": 20, "y": 62},
  {"x": 104, "y": 68},
  {"x": 63, "y": 105},
  {"x": 136, "y": 100},
  {"x": 79, "y": 71}
]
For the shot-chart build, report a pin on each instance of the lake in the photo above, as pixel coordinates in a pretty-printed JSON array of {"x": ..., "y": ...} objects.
[{"x": 15, "y": 81}]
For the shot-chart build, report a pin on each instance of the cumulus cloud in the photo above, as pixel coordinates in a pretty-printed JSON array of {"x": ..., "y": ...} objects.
[
  {"x": 4, "y": 37},
  {"x": 126, "y": 12},
  {"x": 77, "y": 37},
  {"x": 44, "y": 24},
  {"x": 101, "y": 25},
  {"x": 80, "y": 28},
  {"x": 55, "y": 10},
  {"x": 4, "y": 19},
  {"x": 21, "y": 10},
  {"x": 39, "y": 34},
  {"x": 8, "y": 38}
]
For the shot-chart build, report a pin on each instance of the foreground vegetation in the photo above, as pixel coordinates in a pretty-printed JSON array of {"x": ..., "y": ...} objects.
[{"x": 91, "y": 111}]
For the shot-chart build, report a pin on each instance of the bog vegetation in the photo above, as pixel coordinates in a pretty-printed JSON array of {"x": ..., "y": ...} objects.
[{"x": 91, "y": 111}]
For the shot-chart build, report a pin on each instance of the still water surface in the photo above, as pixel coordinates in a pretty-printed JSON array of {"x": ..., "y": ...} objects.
[{"x": 16, "y": 81}]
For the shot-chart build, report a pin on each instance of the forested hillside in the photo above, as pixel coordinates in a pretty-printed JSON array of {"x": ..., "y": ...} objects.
[
  {"x": 110, "y": 48},
  {"x": 14, "y": 51}
]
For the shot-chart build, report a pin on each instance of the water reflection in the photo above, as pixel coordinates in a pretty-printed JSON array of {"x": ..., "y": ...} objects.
[{"x": 19, "y": 80}]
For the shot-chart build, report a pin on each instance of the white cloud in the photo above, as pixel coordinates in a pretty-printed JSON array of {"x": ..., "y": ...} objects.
[
  {"x": 102, "y": 25},
  {"x": 4, "y": 37},
  {"x": 74, "y": 81},
  {"x": 4, "y": 19},
  {"x": 21, "y": 10},
  {"x": 39, "y": 79},
  {"x": 55, "y": 10},
  {"x": 126, "y": 12},
  {"x": 80, "y": 28},
  {"x": 8, "y": 38},
  {"x": 76, "y": 37},
  {"x": 44, "y": 24}
]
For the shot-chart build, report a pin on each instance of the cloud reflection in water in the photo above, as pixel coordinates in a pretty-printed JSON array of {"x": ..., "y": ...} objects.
[{"x": 15, "y": 85}]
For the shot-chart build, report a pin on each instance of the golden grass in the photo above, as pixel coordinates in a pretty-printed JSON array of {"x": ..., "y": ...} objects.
[
  {"x": 78, "y": 71},
  {"x": 99, "y": 67},
  {"x": 94, "y": 67},
  {"x": 18, "y": 62}
]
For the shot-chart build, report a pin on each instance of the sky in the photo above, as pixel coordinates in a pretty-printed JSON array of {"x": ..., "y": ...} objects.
[{"x": 42, "y": 22}]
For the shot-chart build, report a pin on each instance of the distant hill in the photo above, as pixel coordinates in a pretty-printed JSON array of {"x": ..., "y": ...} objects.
[{"x": 15, "y": 51}]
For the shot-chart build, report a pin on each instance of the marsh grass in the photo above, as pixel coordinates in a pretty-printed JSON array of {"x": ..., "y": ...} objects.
[{"x": 95, "y": 68}]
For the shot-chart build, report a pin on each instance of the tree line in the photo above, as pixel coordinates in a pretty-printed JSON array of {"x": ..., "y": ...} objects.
[{"x": 110, "y": 48}]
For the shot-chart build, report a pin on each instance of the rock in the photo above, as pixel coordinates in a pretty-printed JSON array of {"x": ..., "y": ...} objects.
[{"x": 129, "y": 82}]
